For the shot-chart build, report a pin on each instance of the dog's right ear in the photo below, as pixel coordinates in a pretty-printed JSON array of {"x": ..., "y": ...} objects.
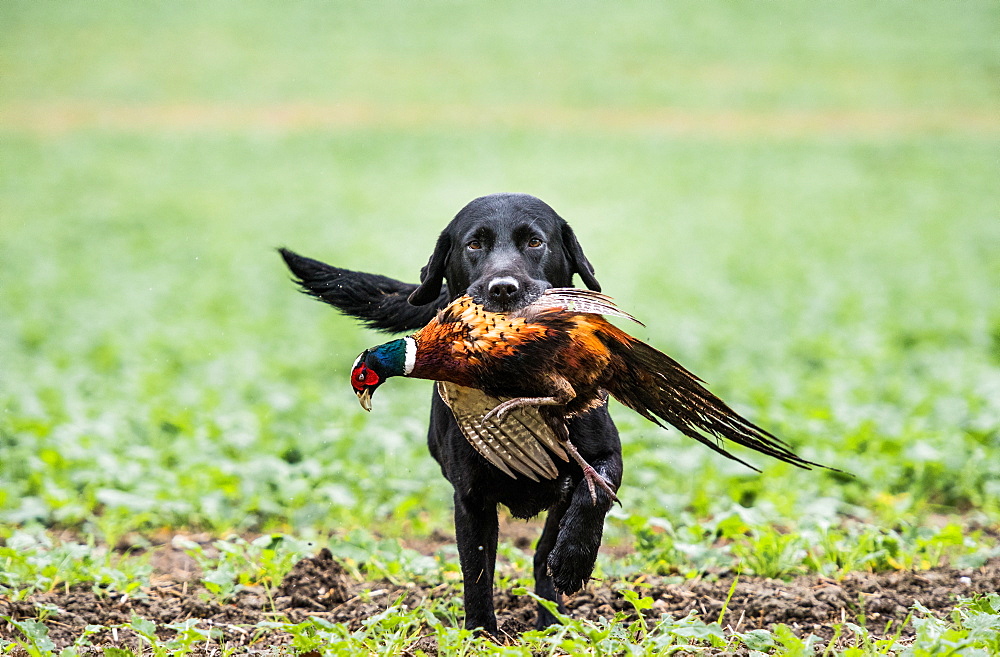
[{"x": 432, "y": 274}]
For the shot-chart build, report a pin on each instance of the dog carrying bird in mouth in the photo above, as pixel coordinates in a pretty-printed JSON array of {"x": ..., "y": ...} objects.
[
  {"x": 557, "y": 355},
  {"x": 502, "y": 251}
]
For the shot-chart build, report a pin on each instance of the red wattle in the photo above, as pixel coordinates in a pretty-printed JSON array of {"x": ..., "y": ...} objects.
[{"x": 362, "y": 377}]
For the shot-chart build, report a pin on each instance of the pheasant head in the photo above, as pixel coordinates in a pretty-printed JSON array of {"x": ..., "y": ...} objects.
[{"x": 377, "y": 364}]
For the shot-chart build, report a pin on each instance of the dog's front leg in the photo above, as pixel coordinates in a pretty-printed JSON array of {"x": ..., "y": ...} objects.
[
  {"x": 544, "y": 587},
  {"x": 476, "y": 529},
  {"x": 582, "y": 526}
]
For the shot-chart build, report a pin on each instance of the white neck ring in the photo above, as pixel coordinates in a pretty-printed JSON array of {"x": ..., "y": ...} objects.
[{"x": 411, "y": 355}]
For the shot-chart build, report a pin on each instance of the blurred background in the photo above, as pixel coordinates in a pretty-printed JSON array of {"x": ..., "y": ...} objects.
[{"x": 799, "y": 200}]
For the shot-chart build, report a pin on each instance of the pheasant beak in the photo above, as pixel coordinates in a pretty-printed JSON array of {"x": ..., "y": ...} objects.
[{"x": 365, "y": 397}]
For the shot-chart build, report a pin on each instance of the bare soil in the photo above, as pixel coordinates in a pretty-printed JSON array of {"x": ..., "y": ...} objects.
[{"x": 318, "y": 586}]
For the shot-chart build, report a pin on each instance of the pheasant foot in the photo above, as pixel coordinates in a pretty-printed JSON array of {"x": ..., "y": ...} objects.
[
  {"x": 591, "y": 476},
  {"x": 501, "y": 410}
]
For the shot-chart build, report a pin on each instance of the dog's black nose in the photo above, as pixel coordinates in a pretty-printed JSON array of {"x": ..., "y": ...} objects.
[{"x": 502, "y": 289}]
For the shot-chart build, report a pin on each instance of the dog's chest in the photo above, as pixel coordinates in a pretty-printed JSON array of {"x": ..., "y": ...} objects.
[{"x": 525, "y": 498}]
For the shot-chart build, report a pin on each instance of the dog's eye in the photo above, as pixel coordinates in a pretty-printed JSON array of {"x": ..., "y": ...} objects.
[
  {"x": 475, "y": 245},
  {"x": 534, "y": 242}
]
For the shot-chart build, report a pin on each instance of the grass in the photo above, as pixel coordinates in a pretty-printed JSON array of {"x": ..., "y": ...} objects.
[{"x": 799, "y": 202}]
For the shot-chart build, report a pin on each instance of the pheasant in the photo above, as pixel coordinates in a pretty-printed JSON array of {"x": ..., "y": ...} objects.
[{"x": 513, "y": 379}]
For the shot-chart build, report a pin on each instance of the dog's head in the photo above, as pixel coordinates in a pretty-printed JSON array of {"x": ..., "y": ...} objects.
[{"x": 504, "y": 250}]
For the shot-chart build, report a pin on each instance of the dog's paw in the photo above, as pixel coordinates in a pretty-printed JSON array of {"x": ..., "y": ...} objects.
[{"x": 570, "y": 566}]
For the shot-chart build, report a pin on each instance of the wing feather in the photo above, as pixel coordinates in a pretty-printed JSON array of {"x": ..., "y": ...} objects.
[
  {"x": 577, "y": 300},
  {"x": 520, "y": 444}
]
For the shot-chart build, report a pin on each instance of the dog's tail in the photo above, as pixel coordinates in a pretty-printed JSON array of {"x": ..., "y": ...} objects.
[{"x": 378, "y": 301}]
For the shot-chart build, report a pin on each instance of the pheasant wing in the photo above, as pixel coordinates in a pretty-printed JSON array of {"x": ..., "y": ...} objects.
[
  {"x": 521, "y": 443},
  {"x": 579, "y": 301}
]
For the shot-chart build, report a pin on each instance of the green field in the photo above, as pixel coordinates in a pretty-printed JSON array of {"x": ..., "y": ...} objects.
[{"x": 800, "y": 201}]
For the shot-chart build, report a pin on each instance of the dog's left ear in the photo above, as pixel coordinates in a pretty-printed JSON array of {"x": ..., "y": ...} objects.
[
  {"x": 578, "y": 262},
  {"x": 432, "y": 274}
]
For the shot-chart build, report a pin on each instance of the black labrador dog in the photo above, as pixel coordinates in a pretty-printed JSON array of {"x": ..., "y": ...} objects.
[{"x": 504, "y": 250}]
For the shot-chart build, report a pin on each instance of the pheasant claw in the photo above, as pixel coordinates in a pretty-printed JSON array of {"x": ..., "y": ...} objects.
[{"x": 593, "y": 477}]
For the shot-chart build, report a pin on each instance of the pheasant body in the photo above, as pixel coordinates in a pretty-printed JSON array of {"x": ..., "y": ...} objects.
[
  {"x": 516, "y": 355},
  {"x": 558, "y": 357}
]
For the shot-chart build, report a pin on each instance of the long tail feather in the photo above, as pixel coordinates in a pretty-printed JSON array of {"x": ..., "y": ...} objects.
[{"x": 659, "y": 388}]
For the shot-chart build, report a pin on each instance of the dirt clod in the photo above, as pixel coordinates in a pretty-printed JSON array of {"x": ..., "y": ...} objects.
[{"x": 318, "y": 583}]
